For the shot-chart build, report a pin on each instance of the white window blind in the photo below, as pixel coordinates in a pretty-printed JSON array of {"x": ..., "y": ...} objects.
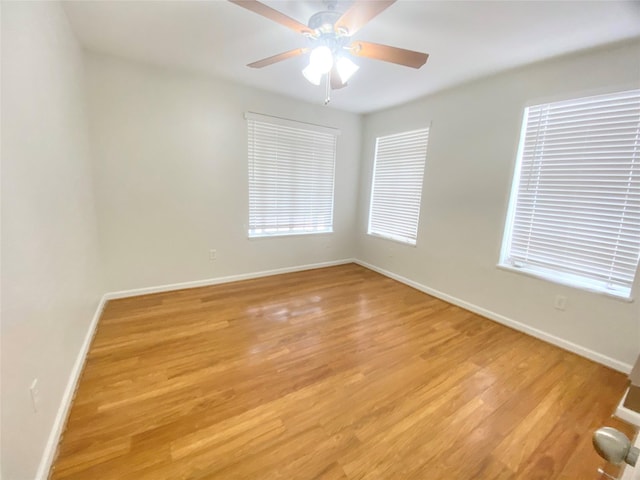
[
  {"x": 291, "y": 175},
  {"x": 397, "y": 185},
  {"x": 575, "y": 207}
]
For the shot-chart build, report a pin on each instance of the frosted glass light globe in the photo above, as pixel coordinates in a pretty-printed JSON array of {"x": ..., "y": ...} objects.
[
  {"x": 346, "y": 68},
  {"x": 322, "y": 59},
  {"x": 312, "y": 74}
]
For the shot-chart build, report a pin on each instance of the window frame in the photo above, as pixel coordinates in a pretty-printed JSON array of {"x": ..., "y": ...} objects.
[
  {"x": 310, "y": 127},
  {"x": 540, "y": 272},
  {"x": 398, "y": 238}
]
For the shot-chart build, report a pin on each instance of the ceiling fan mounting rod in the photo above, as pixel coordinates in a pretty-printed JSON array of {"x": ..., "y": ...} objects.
[{"x": 331, "y": 4}]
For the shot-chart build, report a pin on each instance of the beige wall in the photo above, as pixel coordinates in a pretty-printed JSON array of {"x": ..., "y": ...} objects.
[
  {"x": 472, "y": 148},
  {"x": 170, "y": 151},
  {"x": 50, "y": 286}
]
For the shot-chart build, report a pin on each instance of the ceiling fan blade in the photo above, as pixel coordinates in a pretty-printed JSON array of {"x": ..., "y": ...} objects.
[
  {"x": 271, "y": 14},
  {"x": 361, "y": 13},
  {"x": 278, "y": 58},
  {"x": 336, "y": 82},
  {"x": 386, "y": 53}
]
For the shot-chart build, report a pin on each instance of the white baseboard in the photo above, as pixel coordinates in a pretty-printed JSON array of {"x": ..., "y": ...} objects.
[
  {"x": 51, "y": 447},
  {"x": 218, "y": 280},
  {"x": 59, "y": 423},
  {"x": 522, "y": 327}
]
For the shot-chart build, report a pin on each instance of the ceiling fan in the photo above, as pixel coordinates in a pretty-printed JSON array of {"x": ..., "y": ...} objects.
[{"x": 331, "y": 45}]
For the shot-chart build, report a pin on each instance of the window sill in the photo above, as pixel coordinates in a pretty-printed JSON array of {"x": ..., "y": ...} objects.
[
  {"x": 288, "y": 234},
  {"x": 401, "y": 242},
  {"x": 560, "y": 281}
]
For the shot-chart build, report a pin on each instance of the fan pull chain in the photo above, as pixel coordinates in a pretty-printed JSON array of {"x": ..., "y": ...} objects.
[{"x": 327, "y": 98}]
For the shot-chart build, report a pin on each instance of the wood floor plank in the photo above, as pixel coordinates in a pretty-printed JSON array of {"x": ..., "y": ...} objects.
[{"x": 335, "y": 374}]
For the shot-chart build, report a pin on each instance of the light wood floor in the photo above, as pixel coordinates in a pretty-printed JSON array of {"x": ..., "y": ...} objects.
[{"x": 337, "y": 373}]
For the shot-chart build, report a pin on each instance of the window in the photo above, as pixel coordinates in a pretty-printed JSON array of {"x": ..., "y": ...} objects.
[
  {"x": 574, "y": 215},
  {"x": 397, "y": 185},
  {"x": 291, "y": 168}
]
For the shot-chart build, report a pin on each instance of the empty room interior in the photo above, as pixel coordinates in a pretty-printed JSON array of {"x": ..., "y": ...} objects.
[{"x": 353, "y": 239}]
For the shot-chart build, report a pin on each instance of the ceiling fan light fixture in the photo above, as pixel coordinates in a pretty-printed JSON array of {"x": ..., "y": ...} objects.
[
  {"x": 346, "y": 68},
  {"x": 312, "y": 74},
  {"x": 330, "y": 32},
  {"x": 321, "y": 59}
]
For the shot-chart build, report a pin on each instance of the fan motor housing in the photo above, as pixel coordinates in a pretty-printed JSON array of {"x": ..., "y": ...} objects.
[{"x": 324, "y": 21}]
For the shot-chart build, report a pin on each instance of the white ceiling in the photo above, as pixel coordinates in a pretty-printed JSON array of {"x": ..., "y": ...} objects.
[{"x": 465, "y": 40}]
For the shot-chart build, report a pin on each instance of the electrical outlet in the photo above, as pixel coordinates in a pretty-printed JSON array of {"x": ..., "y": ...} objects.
[
  {"x": 35, "y": 395},
  {"x": 560, "y": 303},
  {"x": 213, "y": 254}
]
